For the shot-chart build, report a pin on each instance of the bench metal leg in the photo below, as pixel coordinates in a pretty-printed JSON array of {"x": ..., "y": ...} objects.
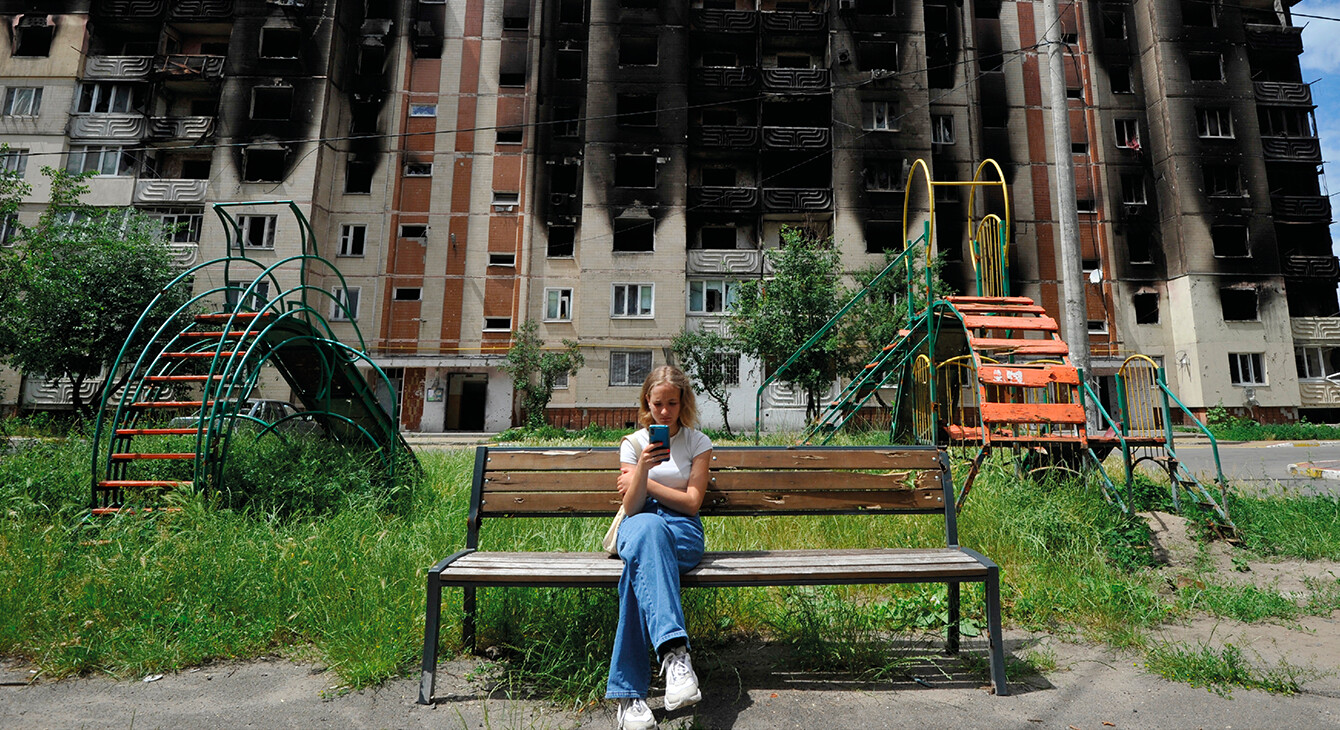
[
  {"x": 951, "y": 646},
  {"x": 431, "y": 622},
  {"x": 997, "y": 646},
  {"x": 468, "y": 620}
]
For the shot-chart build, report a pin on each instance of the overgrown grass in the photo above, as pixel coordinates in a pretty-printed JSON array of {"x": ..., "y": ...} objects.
[
  {"x": 310, "y": 550},
  {"x": 1299, "y": 526},
  {"x": 1223, "y": 669},
  {"x": 1238, "y": 428}
]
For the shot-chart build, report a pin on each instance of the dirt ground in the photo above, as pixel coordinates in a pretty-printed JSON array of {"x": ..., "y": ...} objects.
[{"x": 747, "y": 685}]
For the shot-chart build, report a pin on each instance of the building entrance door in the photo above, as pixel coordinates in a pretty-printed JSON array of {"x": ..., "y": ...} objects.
[{"x": 465, "y": 401}]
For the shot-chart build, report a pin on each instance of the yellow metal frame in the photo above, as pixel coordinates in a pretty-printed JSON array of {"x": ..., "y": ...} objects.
[
  {"x": 991, "y": 258},
  {"x": 1138, "y": 376},
  {"x": 923, "y": 415},
  {"x": 976, "y": 182}
]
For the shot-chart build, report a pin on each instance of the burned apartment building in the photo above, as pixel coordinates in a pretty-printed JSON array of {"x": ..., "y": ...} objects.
[{"x": 613, "y": 168}]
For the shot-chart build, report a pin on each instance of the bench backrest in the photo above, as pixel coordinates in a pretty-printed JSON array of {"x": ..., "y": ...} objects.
[{"x": 745, "y": 480}]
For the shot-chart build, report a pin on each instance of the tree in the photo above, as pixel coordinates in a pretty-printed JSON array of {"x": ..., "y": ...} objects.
[
  {"x": 774, "y": 317},
  {"x": 699, "y": 355},
  {"x": 534, "y": 370},
  {"x": 73, "y": 286}
]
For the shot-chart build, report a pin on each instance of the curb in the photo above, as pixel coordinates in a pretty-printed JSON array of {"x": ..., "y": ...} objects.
[{"x": 1316, "y": 469}]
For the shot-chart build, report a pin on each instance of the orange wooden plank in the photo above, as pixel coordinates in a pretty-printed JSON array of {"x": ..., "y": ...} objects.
[
  {"x": 965, "y": 308},
  {"x": 1006, "y": 301},
  {"x": 1028, "y": 377},
  {"x": 217, "y": 335},
  {"x": 1032, "y": 412},
  {"x": 225, "y": 317},
  {"x": 979, "y": 321},
  {"x": 1022, "y": 347}
]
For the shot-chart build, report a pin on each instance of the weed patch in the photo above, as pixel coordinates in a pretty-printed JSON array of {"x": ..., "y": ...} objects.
[{"x": 1222, "y": 670}]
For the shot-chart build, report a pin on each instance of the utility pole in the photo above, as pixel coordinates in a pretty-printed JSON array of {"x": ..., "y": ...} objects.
[{"x": 1074, "y": 305}]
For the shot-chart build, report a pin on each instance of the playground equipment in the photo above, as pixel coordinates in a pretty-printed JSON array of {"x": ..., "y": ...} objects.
[
  {"x": 991, "y": 371},
  {"x": 207, "y": 358}
]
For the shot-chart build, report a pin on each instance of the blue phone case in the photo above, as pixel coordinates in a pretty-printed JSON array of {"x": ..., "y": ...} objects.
[{"x": 660, "y": 433}]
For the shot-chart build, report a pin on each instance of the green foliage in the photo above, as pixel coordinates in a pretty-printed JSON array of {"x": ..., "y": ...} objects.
[
  {"x": 534, "y": 369},
  {"x": 699, "y": 354},
  {"x": 74, "y": 284},
  {"x": 773, "y": 318},
  {"x": 1130, "y": 544},
  {"x": 1229, "y": 427},
  {"x": 1298, "y": 526},
  {"x": 1221, "y": 670},
  {"x": 875, "y": 320},
  {"x": 1240, "y": 601}
]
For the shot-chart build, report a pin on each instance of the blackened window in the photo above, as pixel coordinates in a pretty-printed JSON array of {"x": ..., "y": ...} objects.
[
  {"x": 637, "y": 51},
  {"x": 516, "y": 14},
  {"x": 263, "y": 165},
  {"x": 32, "y": 35},
  {"x": 280, "y": 42},
  {"x": 1230, "y": 240},
  {"x": 717, "y": 237},
  {"x": 1206, "y": 66},
  {"x": 636, "y": 110},
  {"x": 1200, "y": 13},
  {"x": 634, "y": 234},
  {"x": 567, "y": 122},
  {"x": 881, "y": 236},
  {"x": 1146, "y": 307},
  {"x": 719, "y": 177},
  {"x": 272, "y": 103},
  {"x": 357, "y": 176},
  {"x": 1239, "y": 304},
  {"x": 512, "y": 64},
  {"x": 635, "y": 171},
  {"x": 568, "y": 64},
  {"x": 571, "y": 11},
  {"x": 1114, "y": 22},
  {"x": 561, "y": 240},
  {"x": 1223, "y": 181},
  {"x": 1120, "y": 79}
]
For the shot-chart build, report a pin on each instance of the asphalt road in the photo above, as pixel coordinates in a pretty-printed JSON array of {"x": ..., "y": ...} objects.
[{"x": 1265, "y": 464}]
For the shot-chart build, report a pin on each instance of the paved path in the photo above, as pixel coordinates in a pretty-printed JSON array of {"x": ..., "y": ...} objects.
[{"x": 1264, "y": 464}]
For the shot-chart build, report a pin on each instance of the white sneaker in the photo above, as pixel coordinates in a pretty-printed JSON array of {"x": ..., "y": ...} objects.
[
  {"x": 681, "y": 684},
  {"x": 635, "y": 715}
]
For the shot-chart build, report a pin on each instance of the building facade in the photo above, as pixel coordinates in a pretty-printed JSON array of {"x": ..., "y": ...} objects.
[{"x": 613, "y": 168}]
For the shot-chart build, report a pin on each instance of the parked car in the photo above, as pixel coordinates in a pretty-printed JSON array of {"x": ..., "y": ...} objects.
[{"x": 265, "y": 411}]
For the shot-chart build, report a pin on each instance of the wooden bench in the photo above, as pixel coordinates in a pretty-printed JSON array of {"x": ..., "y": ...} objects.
[{"x": 745, "y": 481}]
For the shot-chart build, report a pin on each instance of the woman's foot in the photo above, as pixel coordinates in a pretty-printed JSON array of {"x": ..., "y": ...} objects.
[
  {"x": 681, "y": 684},
  {"x": 633, "y": 714}
]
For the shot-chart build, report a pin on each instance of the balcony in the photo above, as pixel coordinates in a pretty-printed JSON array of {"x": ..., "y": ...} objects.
[
  {"x": 1315, "y": 330},
  {"x": 783, "y": 22},
  {"x": 797, "y": 138},
  {"x": 725, "y": 21},
  {"x": 563, "y": 206},
  {"x": 170, "y": 192},
  {"x": 1298, "y": 266},
  {"x": 1278, "y": 38},
  {"x": 119, "y": 127},
  {"x": 725, "y": 137},
  {"x": 1291, "y": 149},
  {"x": 786, "y": 200},
  {"x": 1283, "y": 92},
  {"x": 206, "y": 9},
  {"x": 1318, "y": 394},
  {"x": 1302, "y": 208},
  {"x": 117, "y": 68},
  {"x": 721, "y": 198},
  {"x": 727, "y": 261},
  {"x": 181, "y": 128},
  {"x": 188, "y": 66},
  {"x": 132, "y": 9},
  {"x": 795, "y": 79},
  {"x": 726, "y": 77}
]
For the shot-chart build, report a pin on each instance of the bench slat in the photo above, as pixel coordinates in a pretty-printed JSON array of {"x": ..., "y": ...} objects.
[
  {"x": 721, "y": 568},
  {"x": 718, "y": 502},
  {"x": 726, "y": 481},
  {"x": 723, "y": 458}
]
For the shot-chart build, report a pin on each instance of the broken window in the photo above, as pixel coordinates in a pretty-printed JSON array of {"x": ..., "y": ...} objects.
[
  {"x": 407, "y": 294},
  {"x": 872, "y": 7},
  {"x": 1114, "y": 23},
  {"x": 942, "y": 129},
  {"x": 721, "y": 117},
  {"x": 413, "y": 230},
  {"x": 568, "y": 64},
  {"x": 512, "y": 63},
  {"x": 634, "y": 235},
  {"x": 1206, "y": 66},
  {"x": 1127, "y": 133},
  {"x": 558, "y": 304},
  {"x": 502, "y": 259},
  {"x": 1246, "y": 368},
  {"x": 636, "y": 110},
  {"x": 280, "y": 42},
  {"x": 32, "y": 35},
  {"x": 1146, "y": 307},
  {"x": 1215, "y": 123},
  {"x": 510, "y": 135},
  {"x": 104, "y": 98},
  {"x": 257, "y": 231},
  {"x": 880, "y": 116},
  {"x": 877, "y": 55},
  {"x": 718, "y": 177},
  {"x": 881, "y": 236},
  {"x": 637, "y": 51},
  {"x": 353, "y": 238},
  {"x": 1200, "y": 13},
  {"x": 571, "y": 11},
  {"x": 357, "y": 176},
  {"x": 635, "y": 171},
  {"x": 345, "y": 306},
  {"x": 263, "y": 165},
  {"x": 22, "y": 101},
  {"x": 632, "y": 300},
  {"x": 1314, "y": 363},
  {"x": 1223, "y": 181},
  {"x": 1239, "y": 303},
  {"x": 1139, "y": 247},
  {"x": 1120, "y": 79},
  {"x": 1229, "y": 240},
  {"x": 274, "y": 103},
  {"x": 1285, "y": 122},
  {"x": 516, "y": 14},
  {"x": 717, "y": 237},
  {"x": 716, "y": 296},
  {"x": 418, "y": 169},
  {"x": 1133, "y": 189},
  {"x": 794, "y": 60},
  {"x": 884, "y": 175},
  {"x": 566, "y": 120},
  {"x": 561, "y": 242}
]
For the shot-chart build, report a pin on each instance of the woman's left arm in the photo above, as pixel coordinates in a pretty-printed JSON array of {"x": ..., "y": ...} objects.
[{"x": 690, "y": 499}]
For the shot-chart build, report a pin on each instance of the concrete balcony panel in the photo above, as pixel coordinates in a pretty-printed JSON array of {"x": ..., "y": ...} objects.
[
  {"x": 119, "y": 127},
  {"x": 1278, "y": 38},
  {"x": 725, "y": 21},
  {"x": 726, "y": 137},
  {"x": 184, "y": 128},
  {"x": 185, "y": 255},
  {"x": 1283, "y": 93},
  {"x": 726, "y": 77},
  {"x": 797, "y": 138},
  {"x": 1298, "y": 266},
  {"x": 795, "y": 79},
  {"x": 189, "y": 66},
  {"x": 117, "y": 68},
  {"x": 1309, "y": 208},
  {"x": 781, "y": 200},
  {"x": 786, "y": 22},
  {"x": 1318, "y": 394},
  {"x": 170, "y": 191},
  {"x": 722, "y": 198},
  {"x": 1291, "y": 149},
  {"x": 204, "y": 9},
  {"x": 1315, "y": 330},
  {"x": 727, "y": 261}
]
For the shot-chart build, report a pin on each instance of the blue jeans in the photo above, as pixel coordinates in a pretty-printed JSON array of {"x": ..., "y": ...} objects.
[{"x": 656, "y": 544}]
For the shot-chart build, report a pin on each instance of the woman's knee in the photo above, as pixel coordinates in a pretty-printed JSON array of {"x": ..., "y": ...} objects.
[{"x": 643, "y": 527}]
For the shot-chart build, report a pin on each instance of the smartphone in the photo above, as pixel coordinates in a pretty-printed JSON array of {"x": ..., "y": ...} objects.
[{"x": 661, "y": 434}]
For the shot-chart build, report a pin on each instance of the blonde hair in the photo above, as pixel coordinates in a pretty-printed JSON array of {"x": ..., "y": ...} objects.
[{"x": 669, "y": 375}]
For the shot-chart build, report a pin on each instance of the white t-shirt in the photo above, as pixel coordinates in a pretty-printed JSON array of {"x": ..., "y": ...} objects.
[{"x": 684, "y": 447}]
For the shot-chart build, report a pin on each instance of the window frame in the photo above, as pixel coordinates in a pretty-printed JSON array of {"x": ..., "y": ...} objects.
[
  {"x": 395, "y": 293},
  {"x": 497, "y": 326},
  {"x": 116, "y": 98},
  {"x": 728, "y": 293},
  {"x": 1219, "y": 115},
  {"x": 124, "y": 161},
  {"x": 558, "y": 303},
  {"x": 33, "y": 106},
  {"x": 15, "y": 160},
  {"x": 1132, "y": 182},
  {"x": 345, "y": 249},
  {"x": 418, "y": 169},
  {"x": 1255, "y": 361},
  {"x": 342, "y": 296},
  {"x": 422, "y": 111},
  {"x": 627, "y": 378},
  {"x": 270, "y": 227},
  {"x": 627, "y": 287},
  {"x": 1126, "y": 130},
  {"x": 942, "y": 130}
]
